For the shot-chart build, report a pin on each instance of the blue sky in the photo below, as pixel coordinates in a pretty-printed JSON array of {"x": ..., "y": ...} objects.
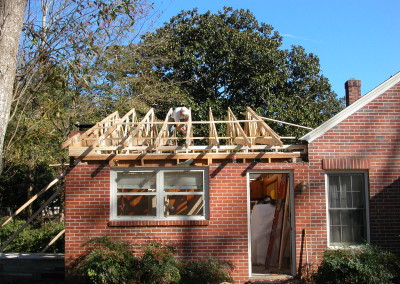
[{"x": 352, "y": 38}]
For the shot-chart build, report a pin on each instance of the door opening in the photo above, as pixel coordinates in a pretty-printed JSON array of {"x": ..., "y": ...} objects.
[{"x": 270, "y": 223}]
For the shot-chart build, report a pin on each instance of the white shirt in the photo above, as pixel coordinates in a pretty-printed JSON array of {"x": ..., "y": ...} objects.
[{"x": 176, "y": 114}]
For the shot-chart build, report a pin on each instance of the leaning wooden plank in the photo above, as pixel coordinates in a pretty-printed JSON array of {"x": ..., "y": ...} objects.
[
  {"x": 196, "y": 207},
  {"x": 33, "y": 198},
  {"x": 53, "y": 240},
  {"x": 55, "y": 194},
  {"x": 281, "y": 196},
  {"x": 263, "y": 125},
  {"x": 239, "y": 128},
  {"x": 285, "y": 228}
]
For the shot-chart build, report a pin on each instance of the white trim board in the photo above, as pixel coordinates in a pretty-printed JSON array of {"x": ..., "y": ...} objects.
[{"x": 345, "y": 113}]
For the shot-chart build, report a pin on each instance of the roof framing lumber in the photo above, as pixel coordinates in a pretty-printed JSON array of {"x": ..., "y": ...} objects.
[{"x": 130, "y": 137}]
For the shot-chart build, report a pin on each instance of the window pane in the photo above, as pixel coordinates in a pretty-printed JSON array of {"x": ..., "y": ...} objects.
[
  {"x": 183, "y": 181},
  {"x": 335, "y": 217},
  {"x": 136, "y": 205},
  {"x": 334, "y": 193},
  {"x": 335, "y": 234},
  {"x": 347, "y": 208},
  {"x": 358, "y": 191},
  {"x": 184, "y": 205},
  {"x": 136, "y": 182},
  {"x": 345, "y": 187}
]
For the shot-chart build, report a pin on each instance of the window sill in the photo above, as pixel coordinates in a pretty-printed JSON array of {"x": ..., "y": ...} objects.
[{"x": 160, "y": 223}]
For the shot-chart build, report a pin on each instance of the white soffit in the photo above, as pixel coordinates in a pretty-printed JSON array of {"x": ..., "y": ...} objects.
[{"x": 345, "y": 113}]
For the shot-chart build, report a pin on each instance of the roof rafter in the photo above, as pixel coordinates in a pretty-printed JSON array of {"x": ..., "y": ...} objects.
[{"x": 129, "y": 136}]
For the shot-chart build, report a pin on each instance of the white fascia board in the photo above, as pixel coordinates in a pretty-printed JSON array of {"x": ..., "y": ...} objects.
[{"x": 345, "y": 113}]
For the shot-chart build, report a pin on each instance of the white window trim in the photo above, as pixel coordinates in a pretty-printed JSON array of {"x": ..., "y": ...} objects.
[
  {"x": 366, "y": 195},
  {"x": 159, "y": 194}
]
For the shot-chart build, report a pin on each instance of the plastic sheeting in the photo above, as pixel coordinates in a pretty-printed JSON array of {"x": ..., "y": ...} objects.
[{"x": 261, "y": 220}]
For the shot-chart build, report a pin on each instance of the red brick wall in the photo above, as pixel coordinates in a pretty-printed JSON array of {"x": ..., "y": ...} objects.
[
  {"x": 225, "y": 235},
  {"x": 369, "y": 139}
]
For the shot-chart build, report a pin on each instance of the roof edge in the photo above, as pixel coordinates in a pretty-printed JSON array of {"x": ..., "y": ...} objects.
[{"x": 345, "y": 113}]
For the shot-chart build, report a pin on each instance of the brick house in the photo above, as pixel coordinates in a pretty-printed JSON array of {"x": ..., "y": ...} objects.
[{"x": 339, "y": 188}]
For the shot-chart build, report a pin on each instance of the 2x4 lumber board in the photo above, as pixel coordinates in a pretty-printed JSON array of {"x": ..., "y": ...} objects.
[
  {"x": 195, "y": 156},
  {"x": 57, "y": 192},
  {"x": 33, "y": 198},
  {"x": 265, "y": 126},
  {"x": 125, "y": 142},
  {"x": 109, "y": 118},
  {"x": 71, "y": 141},
  {"x": 287, "y": 123},
  {"x": 163, "y": 129},
  {"x": 214, "y": 140},
  {"x": 77, "y": 138},
  {"x": 130, "y": 117},
  {"x": 104, "y": 135},
  {"x": 189, "y": 130},
  {"x": 197, "y": 122},
  {"x": 53, "y": 241},
  {"x": 239, "y": 127},
  {"x": 86, "y": 151}
]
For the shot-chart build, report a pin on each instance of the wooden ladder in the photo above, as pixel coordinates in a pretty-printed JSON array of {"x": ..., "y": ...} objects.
[{"x": 280, "y": 201}]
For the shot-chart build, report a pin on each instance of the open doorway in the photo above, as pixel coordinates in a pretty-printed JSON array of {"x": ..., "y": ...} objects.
[{"x": 270, "y": 223}]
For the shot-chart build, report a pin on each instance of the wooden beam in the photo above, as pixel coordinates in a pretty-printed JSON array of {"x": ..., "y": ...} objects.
[
  {"x": 189, "y": 129},
  {"x": 71, "y": 141},
  {"x": 263, "y": 125},
  {"x": 186, "y": 156},
  {"x": 53, "y": 240},
  {"x": 213, "y": 134},
  {"x": 16, "y": 233},
  {"x": 163, "y": 129},
  {"x": 33, "y": 198},
  {"x": 125, "y": 141},
  {"x": 239, "y": 128}
]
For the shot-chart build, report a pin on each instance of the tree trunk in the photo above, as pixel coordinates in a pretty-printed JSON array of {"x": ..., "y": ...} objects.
[{"x": 11, "y": 19}]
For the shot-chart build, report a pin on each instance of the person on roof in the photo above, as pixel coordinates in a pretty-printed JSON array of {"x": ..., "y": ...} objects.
[{"x": 180, "y": 114}]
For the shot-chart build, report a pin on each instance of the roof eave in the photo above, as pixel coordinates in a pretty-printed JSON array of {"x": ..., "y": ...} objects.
[{"x": 345, "y": 113}]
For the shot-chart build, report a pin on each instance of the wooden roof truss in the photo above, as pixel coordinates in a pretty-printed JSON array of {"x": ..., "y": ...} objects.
[{"x": 129, "y": 137}]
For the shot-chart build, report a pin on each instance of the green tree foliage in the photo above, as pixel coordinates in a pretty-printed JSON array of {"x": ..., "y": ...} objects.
[
  {"x": 229, "y": 59},
  {"x": 366, "y": 264},
  {"x": 106, "y": 261},
  {"x": 62, "y": 41},
  {"x": 130, "y": 80},
  {"x": 34, "y": 238}
]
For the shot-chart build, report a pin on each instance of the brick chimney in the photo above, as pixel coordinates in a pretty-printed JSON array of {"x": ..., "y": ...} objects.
[{"x": 353, "y": 90}]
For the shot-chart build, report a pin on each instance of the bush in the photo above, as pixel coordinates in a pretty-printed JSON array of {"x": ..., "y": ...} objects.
[
  {"x": 158, "y": 265},
  {"x": 107, "y": 261},
  {"x": 33, "y": 238},
  {"x": 365, "y": 265},
  {"x": 207, "y": 270}
]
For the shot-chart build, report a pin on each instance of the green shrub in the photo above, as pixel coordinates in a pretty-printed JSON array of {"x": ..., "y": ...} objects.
[
  {"x": 207, "y": 270},
  {"x": 107, "y": 261},
  {"x": 367, "y": 264},
  {"x": 33, "y": 238},
  {"x": 158, "y": 265}
]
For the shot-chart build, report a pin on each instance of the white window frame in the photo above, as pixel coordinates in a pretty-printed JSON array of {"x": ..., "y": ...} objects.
[
  {"x": 159, "y": 193},
  {"x": 366, "y": 196}
]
